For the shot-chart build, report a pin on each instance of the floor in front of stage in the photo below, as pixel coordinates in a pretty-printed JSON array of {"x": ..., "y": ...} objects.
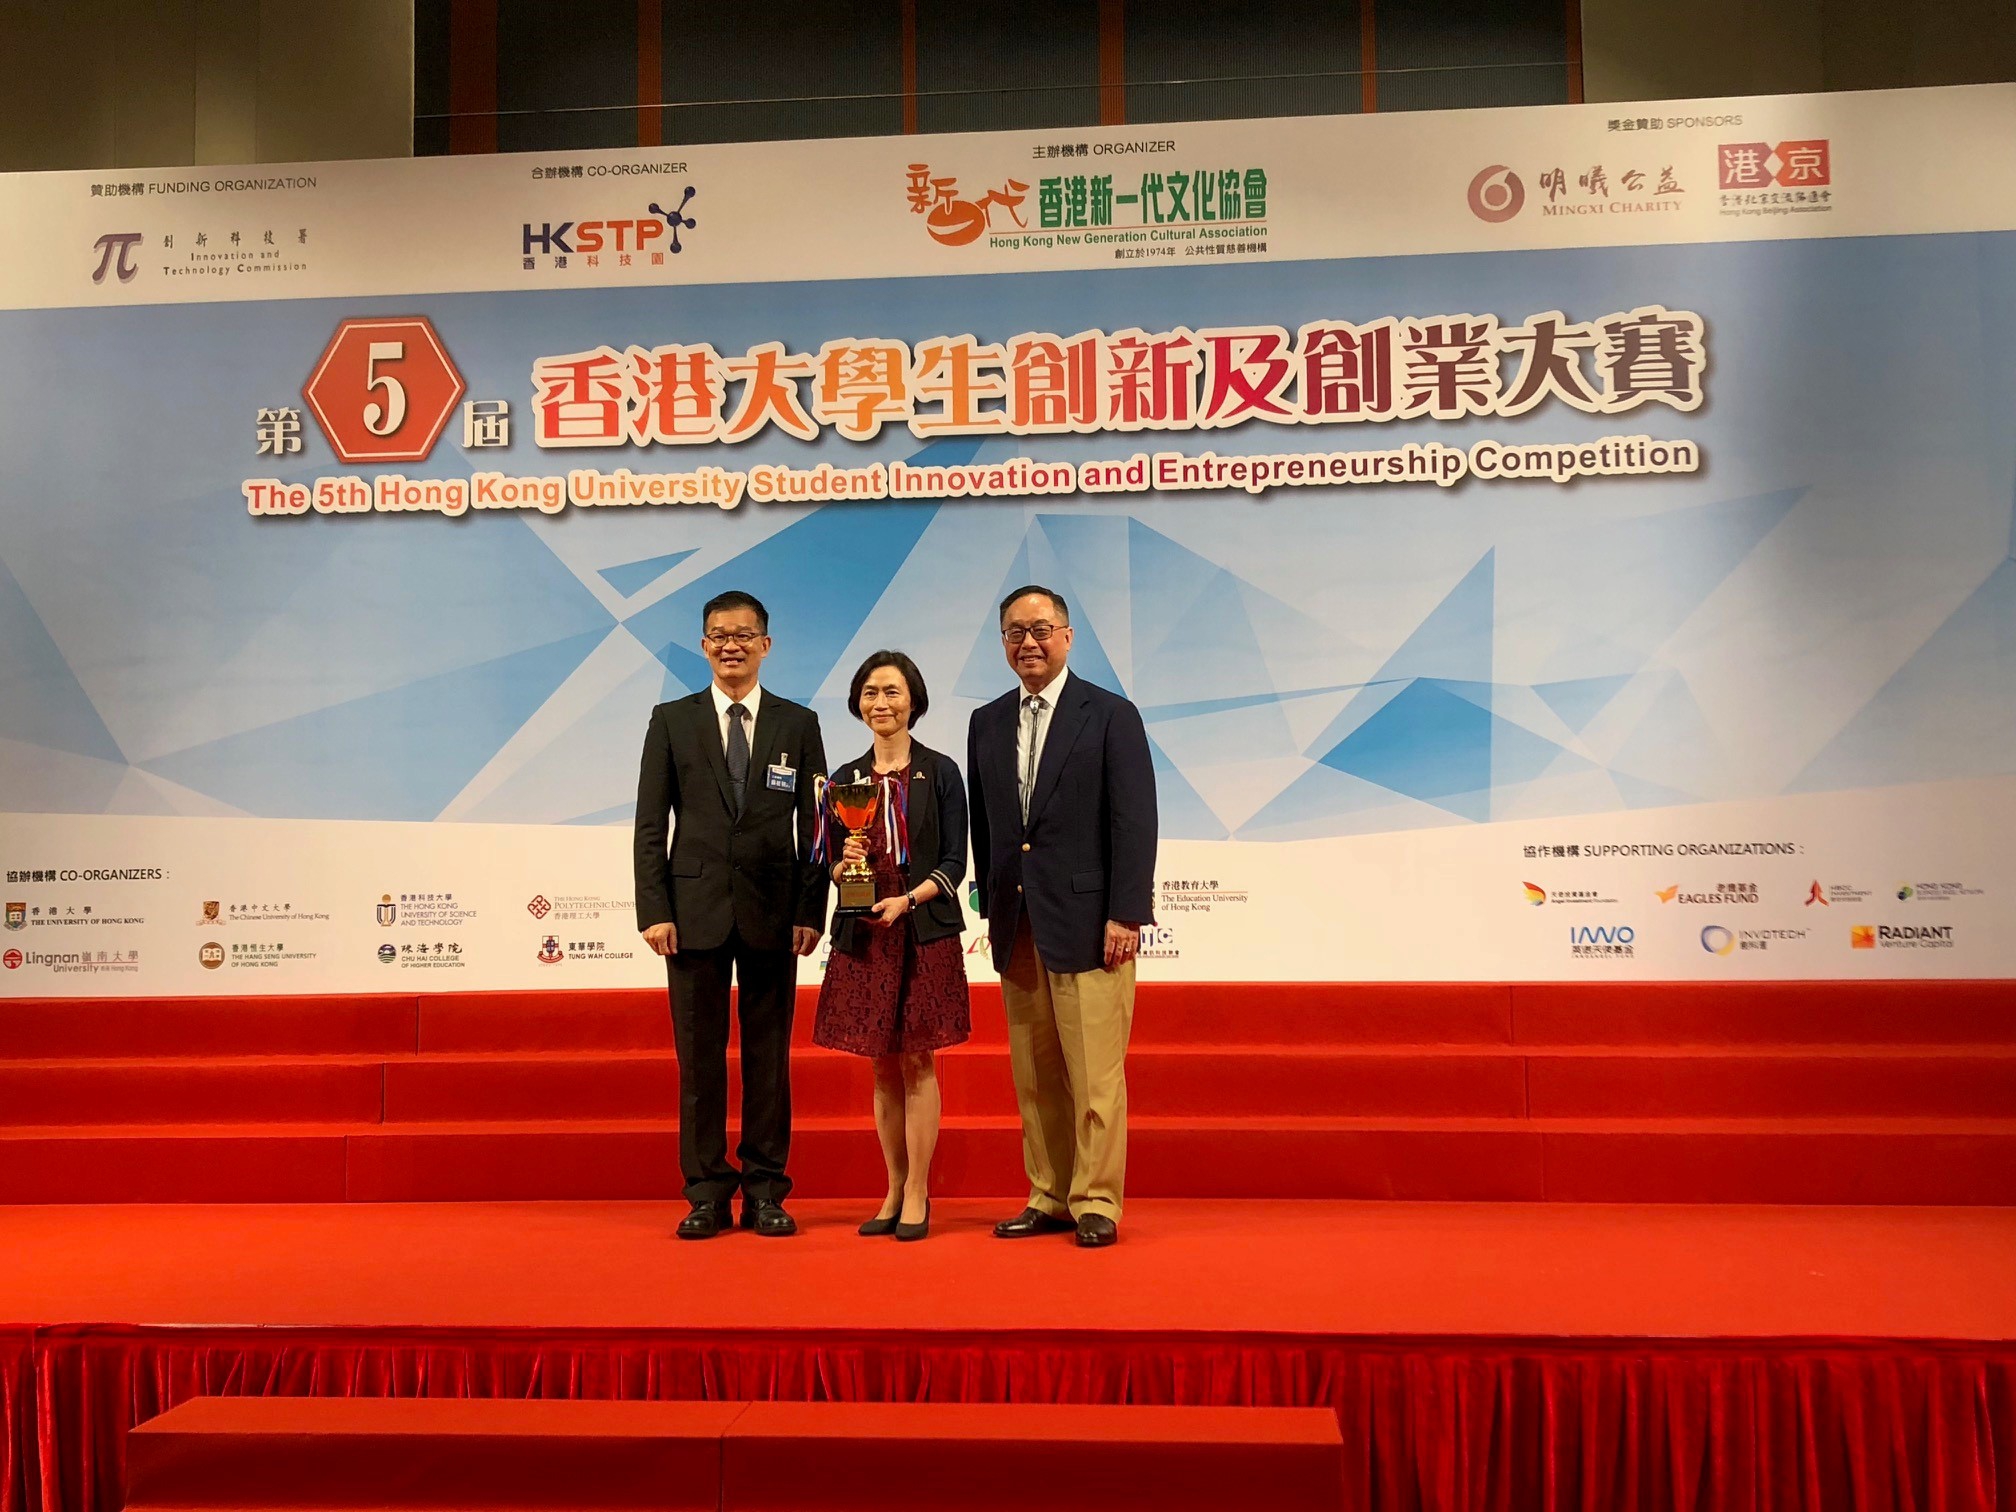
[{"x": 1528, "y": 1270}]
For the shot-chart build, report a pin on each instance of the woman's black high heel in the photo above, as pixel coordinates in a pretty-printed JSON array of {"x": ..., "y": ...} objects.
[
  {"x": 905, "y": 1232},
  {"x": 875, "y": 1228}
]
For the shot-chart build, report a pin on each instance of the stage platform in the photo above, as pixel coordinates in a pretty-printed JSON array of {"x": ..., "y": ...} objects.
[{"x": 1477, "y": 1355}]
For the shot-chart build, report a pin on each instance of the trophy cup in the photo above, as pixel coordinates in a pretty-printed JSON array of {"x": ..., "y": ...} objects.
[{"x": 854, "y": 806}]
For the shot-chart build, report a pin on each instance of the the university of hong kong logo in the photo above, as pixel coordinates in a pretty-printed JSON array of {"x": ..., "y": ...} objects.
[
  {"x": 17, "y": 915},
  {"x": 1804, "y": 164},
  {"x": 956, "y": 222},
  {"x": 115, "y": 255},
  {"x": 1496, "y": 194}
]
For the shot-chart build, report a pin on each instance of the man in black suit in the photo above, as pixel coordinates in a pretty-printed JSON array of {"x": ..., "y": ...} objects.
[
  {"x": 734, "y": 768},
  {"x": 1063, "y": 816}
]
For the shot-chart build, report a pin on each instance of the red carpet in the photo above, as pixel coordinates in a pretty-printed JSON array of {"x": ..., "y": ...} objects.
[
  {"x": 1741, "y": 1092},
  {"x": 1476, "y": 1356}
]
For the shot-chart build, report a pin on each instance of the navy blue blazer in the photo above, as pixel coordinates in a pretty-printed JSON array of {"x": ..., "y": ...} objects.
[{"x": 1088, "y": 852}]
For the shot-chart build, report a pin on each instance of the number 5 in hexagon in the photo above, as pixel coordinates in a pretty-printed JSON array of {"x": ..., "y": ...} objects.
[{"x": 384, "y": 390}]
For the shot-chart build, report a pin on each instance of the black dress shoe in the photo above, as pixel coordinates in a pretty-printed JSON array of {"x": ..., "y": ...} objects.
[
  {"x": 907, "y": 1232},
  {"x": 767, "y": 1216},
  {"x": 705, "y": 1221},
  {"x": 1030, "y": 1222},
  {"x": 1096, "y": 1231}
]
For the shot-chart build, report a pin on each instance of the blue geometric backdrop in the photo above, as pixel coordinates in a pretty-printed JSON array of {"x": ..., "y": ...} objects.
[{"x": 1830, "y": 605}]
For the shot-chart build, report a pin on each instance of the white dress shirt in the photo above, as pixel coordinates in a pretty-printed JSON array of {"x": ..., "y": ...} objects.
[
  {"x": 1051, "y": 695},
  {"x": 721, "y": 705}
]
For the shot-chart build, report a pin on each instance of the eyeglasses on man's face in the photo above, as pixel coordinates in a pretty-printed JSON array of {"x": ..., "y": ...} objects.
[
  {"x": 1041, "y": 631},
  {"x": 723, "y": 638}
]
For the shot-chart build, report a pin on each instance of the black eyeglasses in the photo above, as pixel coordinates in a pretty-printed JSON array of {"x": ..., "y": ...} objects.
[
  {"x": 718, "y": 638},
  {"x": 1038, "y": 632}
]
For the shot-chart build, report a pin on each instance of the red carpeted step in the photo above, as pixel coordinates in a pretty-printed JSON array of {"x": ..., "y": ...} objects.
[
  {"x": 1887, "y": 1160},
  {"x": 1167, "y": 1013},
  {"x": 1764, "y": 1013},
  {"x": 836, "y": 1457},
  {"x": 141, "y": 1164},
  {"x": 1824, "y": 1081},
  {"x": 191, "y": 1091},
  {"x": 259, "y": 1452},
  {"x": 328, "y": 1024},
  {"x": 1913, "y": 1161},
  {"x": 974, "y": 1079}
]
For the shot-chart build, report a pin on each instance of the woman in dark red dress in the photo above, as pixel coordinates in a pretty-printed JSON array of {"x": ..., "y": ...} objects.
[{"x": 895, "y": 987}]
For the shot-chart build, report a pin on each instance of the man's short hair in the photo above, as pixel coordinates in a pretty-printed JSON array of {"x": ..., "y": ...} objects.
[
  {"x": 1063, "y": 609},
  {"x": 735, "y": 598},
  {"x": 920, "y": 700}
]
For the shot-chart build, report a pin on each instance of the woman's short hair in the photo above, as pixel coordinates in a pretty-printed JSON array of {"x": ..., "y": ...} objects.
[{"x": 920, "y": 700}]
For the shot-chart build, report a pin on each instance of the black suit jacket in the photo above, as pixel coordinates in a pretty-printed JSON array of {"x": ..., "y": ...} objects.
[
  {"x": 752, "y": 873},
  {"x": 937, "y": 819},
  {"x": 1088, "y": 852}
]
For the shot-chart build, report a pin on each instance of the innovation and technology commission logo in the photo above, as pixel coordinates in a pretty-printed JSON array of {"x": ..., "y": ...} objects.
[{"x": 1496, "y": 194}]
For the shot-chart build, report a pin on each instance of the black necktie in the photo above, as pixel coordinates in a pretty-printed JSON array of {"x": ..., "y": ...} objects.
[{"x": 738, "y": 752}]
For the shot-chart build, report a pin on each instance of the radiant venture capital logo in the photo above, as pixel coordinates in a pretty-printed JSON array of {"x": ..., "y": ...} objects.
[
  {"x": 1496, "y": 194},
  {"x": 115, "y": 255},
  {"x": 1862, "y": 936}
]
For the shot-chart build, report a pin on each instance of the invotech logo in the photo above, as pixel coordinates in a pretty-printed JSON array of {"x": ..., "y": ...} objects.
[
  {"x": 115, "y": 255},
  {"x": 635, "y": 234}
]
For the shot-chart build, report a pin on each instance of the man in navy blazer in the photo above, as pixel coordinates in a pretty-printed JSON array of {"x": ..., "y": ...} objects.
[{"x": 1063, "y": 816}]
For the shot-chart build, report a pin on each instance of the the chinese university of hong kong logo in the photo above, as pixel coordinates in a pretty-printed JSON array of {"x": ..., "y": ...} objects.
[
  {"x": 1760, "y": 165},
  {"x": 115, "y": 255},
  {"x": 642, "y": 239},
  {"x": 1195, "y": 202}
]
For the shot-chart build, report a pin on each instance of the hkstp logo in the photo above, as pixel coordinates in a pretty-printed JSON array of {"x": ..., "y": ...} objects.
[
  {"x": 1789, "y": 165},
  {"x": 1496, "y": 194},
  {"x": 638, "y": 234},
  {"x": 115, "y": 255}
]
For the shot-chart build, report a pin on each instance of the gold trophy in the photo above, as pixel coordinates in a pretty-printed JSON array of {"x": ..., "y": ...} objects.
[{"x": 854, "y": 806}]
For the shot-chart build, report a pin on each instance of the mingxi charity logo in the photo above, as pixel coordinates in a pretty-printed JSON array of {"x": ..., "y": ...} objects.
[{"x": 1496, "y": 194}]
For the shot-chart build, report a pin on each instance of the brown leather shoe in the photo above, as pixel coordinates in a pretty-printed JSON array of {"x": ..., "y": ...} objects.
[
  {"x": 1096, "y": 1231},
  {"x": 1030, "y": 1222}
]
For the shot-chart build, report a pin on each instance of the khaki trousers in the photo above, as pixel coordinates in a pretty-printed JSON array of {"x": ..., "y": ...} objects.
[{"x": 1067, "y": 1048}]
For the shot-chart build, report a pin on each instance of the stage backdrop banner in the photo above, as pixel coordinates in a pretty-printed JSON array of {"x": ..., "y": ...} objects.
[{"x": 1552, "y": 543}]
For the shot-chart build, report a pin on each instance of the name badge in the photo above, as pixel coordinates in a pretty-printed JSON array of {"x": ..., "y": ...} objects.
[{"x": 782, "y": 778}]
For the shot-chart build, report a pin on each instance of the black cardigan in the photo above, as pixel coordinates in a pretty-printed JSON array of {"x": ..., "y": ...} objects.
[{"x": 937, "y": 821}]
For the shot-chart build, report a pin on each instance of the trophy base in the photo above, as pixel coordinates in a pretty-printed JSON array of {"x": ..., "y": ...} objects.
[{"x": 856, "y": 897}]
